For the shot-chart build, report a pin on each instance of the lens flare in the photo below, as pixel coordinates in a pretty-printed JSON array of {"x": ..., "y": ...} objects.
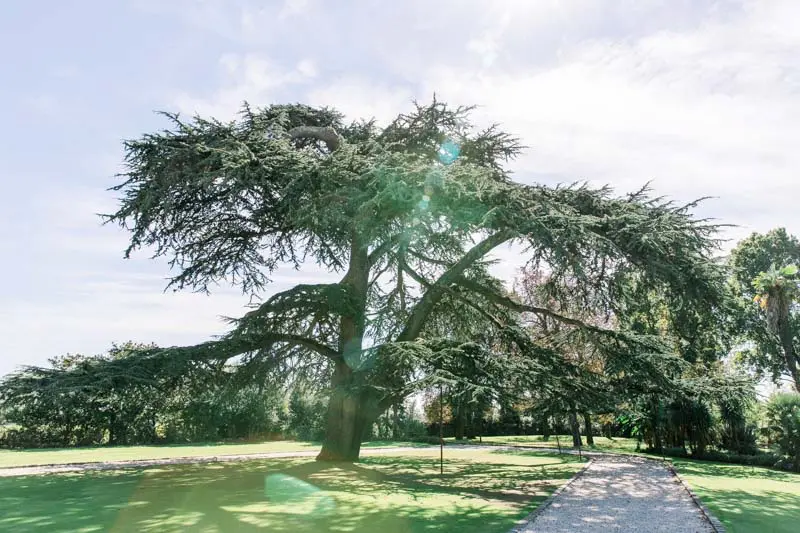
[
  {"x": 281, "y": 488},
  {"x": 448, "y": 152}
]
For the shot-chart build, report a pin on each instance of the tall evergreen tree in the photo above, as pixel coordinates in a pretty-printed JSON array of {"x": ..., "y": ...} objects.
[{"x": 407, "y": 215}]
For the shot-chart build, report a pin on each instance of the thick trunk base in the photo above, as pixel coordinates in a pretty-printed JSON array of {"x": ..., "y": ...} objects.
[
  {"x": 347, "y": 419},
  {"x": 587, "y": 422},
  {"x": 576, "y": 430}
]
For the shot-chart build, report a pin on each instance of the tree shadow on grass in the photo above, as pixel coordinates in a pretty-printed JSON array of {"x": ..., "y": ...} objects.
[
  {"x": 387, "y": 494},
  {"x": 708, "y": 468},
  {"x": 744, "y": 511}
]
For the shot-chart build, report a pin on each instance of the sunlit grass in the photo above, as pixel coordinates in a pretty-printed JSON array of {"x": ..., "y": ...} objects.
[
  {"x": 744, "y": 498},
  {"x": 31, "y": 457},
  {"x": 617, "y": 444},
  {"x": 480, "y": 491}
]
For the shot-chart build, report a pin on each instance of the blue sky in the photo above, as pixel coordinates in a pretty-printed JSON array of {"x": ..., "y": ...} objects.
[{"x": 700, "y": 97}]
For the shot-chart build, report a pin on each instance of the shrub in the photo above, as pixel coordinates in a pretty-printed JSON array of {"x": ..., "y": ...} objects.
[
  {"x": 768, "y": 460},
  {"x": 425, "y": 439},
  {"x": 783, "y": 414}
]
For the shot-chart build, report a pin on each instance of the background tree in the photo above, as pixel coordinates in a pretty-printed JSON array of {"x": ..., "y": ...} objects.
[
  {"x": 783, "y": 414},
  {"x": 764, "y": 276}
]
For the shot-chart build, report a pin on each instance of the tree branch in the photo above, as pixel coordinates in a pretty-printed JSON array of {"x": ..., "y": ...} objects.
[
  {"x": 432, "y": 296},
  {"x": 519, "y": 307},
  {"x": 325, "y": 134},
  {"x": 311, "y": 344},
  {"x": 425, "y": 283}
]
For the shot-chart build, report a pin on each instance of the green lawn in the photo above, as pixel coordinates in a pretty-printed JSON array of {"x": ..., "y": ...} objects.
[
  {"x": 31, "y": 457},
  {"x": 745, "y": 498},
  {"x": 484, "y": 491},
  {"x": 618, "y": 444}
]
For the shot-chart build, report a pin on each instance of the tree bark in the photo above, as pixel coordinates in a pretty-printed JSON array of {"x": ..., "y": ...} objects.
[
  {"x": 546, "y": 428},
  {"x": 587, "y": 421},
  {"x": 396, "y": 422},
  {"x": 787, "y": 343},
  {"x": 350, "y": 410},
  {"x": 459, "y": 420},
  {"x": 348, "y": 417},
  {"x": 576, "y": 429},
  {"x": 658, "y": 444}
]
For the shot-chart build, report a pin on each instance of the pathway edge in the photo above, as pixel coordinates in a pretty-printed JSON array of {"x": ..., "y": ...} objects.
[
  {"x": 528, "y": 520},
  {"x": 707, "y": 514}
]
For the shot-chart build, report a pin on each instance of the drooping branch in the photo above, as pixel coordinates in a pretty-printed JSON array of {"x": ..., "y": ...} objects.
[
  {"x": 480, "y": 310},
  {"x": 298, "y": 340},
  {"x": 326, "y": 134},
  {"x": 645, "y": 343},
  {"x": 507, "y": 302},
  {"x": 432, "y": 296}
]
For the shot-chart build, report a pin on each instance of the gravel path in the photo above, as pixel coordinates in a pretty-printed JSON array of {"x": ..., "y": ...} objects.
[{"x": 621, "y": 494}]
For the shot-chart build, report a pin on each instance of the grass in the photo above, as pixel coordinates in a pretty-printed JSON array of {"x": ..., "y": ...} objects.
[
  {"x": 745, "y": 498},
  {"x": 617, "y": 444},
  {"x": 485, "y": 491},
  {"x": 47, "y": 456}
]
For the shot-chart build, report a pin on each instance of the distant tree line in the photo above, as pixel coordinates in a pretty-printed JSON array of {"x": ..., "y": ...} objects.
[{"x": 201, "y": 406}]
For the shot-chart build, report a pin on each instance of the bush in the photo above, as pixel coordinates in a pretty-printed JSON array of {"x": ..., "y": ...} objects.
[
  {"x": 425, "y": 439},
  {"x": 783, "y": 414},
  {"x": 768, "y": 460}
]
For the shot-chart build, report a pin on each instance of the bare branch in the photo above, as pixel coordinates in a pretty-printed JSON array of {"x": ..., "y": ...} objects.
[
  {"x": 507, "y": 302},
  {"x": 325, "y": 134},
  {"x": 432, "y": 296},
  {"x": 297, "y": 340}
]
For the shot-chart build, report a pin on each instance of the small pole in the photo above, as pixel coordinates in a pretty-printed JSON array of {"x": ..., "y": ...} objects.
[
  {"x": 441, "y": 433},
  {"x": 579, "y": 452},
  {"x": 558, "y": 442}
]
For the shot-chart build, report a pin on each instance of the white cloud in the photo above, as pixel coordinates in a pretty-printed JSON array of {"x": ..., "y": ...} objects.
[
  {"x": 362, "y": 98},
  {"x": 293, "y": 8},
  {"x": 700, "y": 96},
  {"x": 248, "y": 77},
  {"x": 43, "y": 104}
]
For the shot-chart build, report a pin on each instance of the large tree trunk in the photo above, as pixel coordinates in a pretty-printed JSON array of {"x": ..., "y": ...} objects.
[
  {"x": 459, "y": 419},
  {"x": 576, "y": 429},
  {"x": 787, "y": 343},
  {"x": 349, "y": 415},
  {"x": 546, "y": 428},
  {"x": 587, "y": 422},
  {"x": 396, "y": 422},
  {"x": 658, "y": 444},
  {"x": 349, "y": 411}
]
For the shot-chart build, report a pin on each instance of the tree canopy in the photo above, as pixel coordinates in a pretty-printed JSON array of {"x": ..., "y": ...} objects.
[
  {"x": 765, "y": 277},
  {"x": 408, "y": 216}
]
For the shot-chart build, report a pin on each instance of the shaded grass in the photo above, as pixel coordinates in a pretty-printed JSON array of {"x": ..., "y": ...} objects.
[
  {"x": 617, "y": 444},
  {"x": 479, "y": 491},
  {"x": 745, "y": 498},
  {"x": 46, "y": 456}
]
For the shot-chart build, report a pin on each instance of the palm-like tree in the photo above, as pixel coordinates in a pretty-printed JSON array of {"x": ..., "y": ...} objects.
[{"x": 778, "y": 289}]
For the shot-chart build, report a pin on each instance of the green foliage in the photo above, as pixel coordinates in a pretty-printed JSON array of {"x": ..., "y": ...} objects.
[
  {"x": 707, "y": 408},
  {"x": 208, "y": 405},
  {"x": 764, "y": 277},
  {"x": 306, "y": 415},
  {"x": 762, "y": 459},
  {"x": 783, "y": 414},
  {"x": 287, "y": 185}
]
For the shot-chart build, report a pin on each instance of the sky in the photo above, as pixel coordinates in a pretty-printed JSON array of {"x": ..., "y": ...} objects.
[{"x": 701, "y": 98}]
